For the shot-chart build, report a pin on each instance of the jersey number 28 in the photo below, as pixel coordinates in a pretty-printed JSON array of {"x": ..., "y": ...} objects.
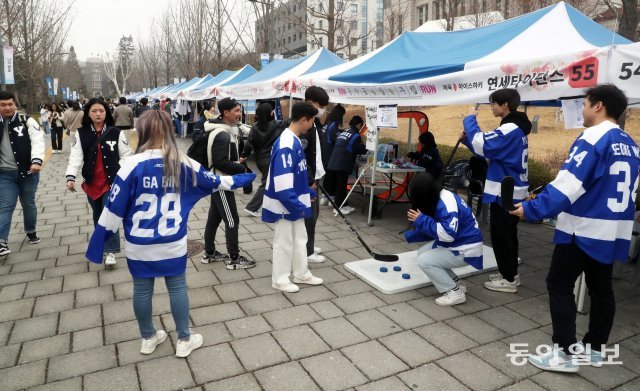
[{"x": 169, "y": 210}]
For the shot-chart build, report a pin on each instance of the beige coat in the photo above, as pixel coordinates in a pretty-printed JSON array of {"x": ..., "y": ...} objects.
[
  {"x": 73, "y": 119},
  {"x": 123, "y": 116}
]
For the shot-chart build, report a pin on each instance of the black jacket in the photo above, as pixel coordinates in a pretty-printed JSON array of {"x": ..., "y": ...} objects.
[
  {"x": 429, "y": 158},
  {"x": 226, "y": 142},
  {"x": 260, "y": 142},
  {"x": 348, "y": 145},
  {"x": 328, "y": 135},
  {"x": 27, "y": 144},
  {"x": 308, "y": 141},
  {"x": 520, "y": 119}
]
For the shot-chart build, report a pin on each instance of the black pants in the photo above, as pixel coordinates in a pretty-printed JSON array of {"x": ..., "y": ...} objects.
[
  {"x": 310, "y": 224},
  {"x": 329, "y": 182},
  {"x": 504, "y": 240},
  {"x": 341, "y": 178},
  {"x": 56, "y": 138},
  {"x": 223, "y": 207},
  {"x": 567, "y": 263},
  {"x": 256, "y": 201}
]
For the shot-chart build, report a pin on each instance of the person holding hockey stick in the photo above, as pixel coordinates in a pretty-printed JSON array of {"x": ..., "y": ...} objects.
[
  {"x": 153, "y": 193},
  {"x": 441, "y": 215},
  {"x": 594, "y": 198}
]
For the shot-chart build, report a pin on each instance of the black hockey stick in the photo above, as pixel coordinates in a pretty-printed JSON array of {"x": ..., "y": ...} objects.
[
  {"x": 506, "y": 193},
  {"x": 376, "y": 256}
]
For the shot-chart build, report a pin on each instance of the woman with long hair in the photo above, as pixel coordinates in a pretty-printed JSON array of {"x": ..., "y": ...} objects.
[
  {"x": 153, "y": 195},
  {"x": 99, "y": 148},
  {"x": 57, "y": 125},
  {"x": 428, "y": 156},
  {"x": 264, "y": 133},
  {"x": 442, "y": 216}
]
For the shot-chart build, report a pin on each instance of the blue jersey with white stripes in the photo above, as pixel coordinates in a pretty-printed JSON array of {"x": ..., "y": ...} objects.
[
  {"x": 594, "y": 194},
  {"x": 155, "y": 221},
  {"x": 453, "y": 227},
  {"x": 507, "y": 149},
  {"x": 287, "y": 194}
]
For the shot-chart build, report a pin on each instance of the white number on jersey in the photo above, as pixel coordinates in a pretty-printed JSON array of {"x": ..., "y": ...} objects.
[
  {"x": 169, "y": 210},
  {"x": 286, "y": 161},
  {"x": 623, "y": 186},
  {"x": 525, "y": 165},
  {"x": 578, "y": 158}
]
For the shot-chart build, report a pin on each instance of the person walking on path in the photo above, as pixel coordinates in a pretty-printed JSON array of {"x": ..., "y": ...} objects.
[
  {"x": 264, "y": 133},
  {"x": 224, "y": 140},
  {"x": 98, "y": 149},
  {"x": 329, "y": 132},
  {"x": 507, "y": 149},
  {"x": 123, "y": 115},
  {"x": 21, "y": 158},
  {"x": 287, "y": 201},
  {"x": 57, "y": 126},
  {"x": 144, "y": 106},
  {"x": 162, "y": 185},
  {"x": 44, "y": 118},
  {"x": 594, "y": 198},
  {"x": 73, "y": 118}
]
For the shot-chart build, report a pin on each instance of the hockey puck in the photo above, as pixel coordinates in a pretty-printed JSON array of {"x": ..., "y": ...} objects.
[
  {"x": 383, "y": 269},
  {"x": 406, "y": 276},
  {"x": 397, "y": 268}
]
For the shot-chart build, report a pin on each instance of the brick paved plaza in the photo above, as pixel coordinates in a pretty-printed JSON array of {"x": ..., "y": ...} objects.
[{"x": 68, "y": 325}]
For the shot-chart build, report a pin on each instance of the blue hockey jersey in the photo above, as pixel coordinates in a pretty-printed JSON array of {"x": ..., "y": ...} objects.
[
  {"x": 155, "y": 222},
  {"x": 453, "y": 227},
  {"x": 507, "y": 149},
  {"x": 287, "y": 194},
  {"x": 594, "y": 194}
]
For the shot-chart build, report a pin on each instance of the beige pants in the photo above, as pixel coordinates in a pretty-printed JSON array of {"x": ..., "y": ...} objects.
[{"x": 289, "y": 251}]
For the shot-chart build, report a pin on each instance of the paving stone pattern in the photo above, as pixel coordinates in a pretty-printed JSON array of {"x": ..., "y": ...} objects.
[{"x": 66, "y": 324}]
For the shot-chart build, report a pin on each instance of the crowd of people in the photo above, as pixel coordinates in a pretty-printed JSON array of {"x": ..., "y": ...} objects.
[{"x": 150, "y": 192}]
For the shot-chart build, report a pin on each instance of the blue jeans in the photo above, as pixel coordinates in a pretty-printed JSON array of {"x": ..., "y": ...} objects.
[
  {"x": 437, "y": 263},
  {"x": 113, "y": 244},
  {"x": 46, "y": 128},
  {"x": 178, "y": 298},
  {"x": 14, "y": 187}
]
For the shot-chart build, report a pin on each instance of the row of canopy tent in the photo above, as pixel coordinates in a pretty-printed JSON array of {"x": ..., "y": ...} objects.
[{"x": 552, "y": 53}]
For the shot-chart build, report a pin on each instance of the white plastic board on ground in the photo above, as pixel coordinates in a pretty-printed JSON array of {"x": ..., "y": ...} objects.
[{"x": 392, "y": 282}]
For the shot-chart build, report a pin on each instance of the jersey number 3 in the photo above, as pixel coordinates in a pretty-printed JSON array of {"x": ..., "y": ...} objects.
[
  {"x": 169, "y": 211},
  {"x": 623, "y": 187}
]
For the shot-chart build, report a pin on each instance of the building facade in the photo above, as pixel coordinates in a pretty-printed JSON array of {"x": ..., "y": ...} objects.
[
  {"x": 349, "y": 28},
  {"x": 95, "y": 78}
]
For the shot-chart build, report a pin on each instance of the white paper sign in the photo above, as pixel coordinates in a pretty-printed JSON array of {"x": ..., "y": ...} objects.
[
  {"x": 572, "y": 113},
  {"x": 388, "y": 116},
  {"x": 7, "y": 54},
  {"x": 371, "y": 119}
]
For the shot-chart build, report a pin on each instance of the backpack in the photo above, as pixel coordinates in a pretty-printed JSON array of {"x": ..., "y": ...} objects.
[{"x": 198, "y": 150}]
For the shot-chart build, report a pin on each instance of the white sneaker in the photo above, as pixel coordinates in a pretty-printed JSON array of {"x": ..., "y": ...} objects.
[
  {"x": 316, "y": 258},
  {"x": 349, "y": 208},
  {"x": 498, "y": 276},
  {"x": 313, "y": 280},
  {"x": 317, "y": 250},
  {"x": 344, "y": 211},
  {"x": 149, "y": 345},
  {"x": 184, "y": 348},
  {"x": 556, "y": 361},
  {"x": 254, "y": 214},
  {"x": 289, "y": 288},
  {"x": 451, "y": 297},
  {"x": 110, "y": 260},
  {"x": 501, "y": 285},
  {"x": 324, "y": 201},
  {"x": 463, "y": 288}
]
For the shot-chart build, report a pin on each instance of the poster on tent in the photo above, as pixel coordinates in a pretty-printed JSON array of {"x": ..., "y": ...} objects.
[
  {"x": 371, "y": 119},
  {"x": 388, "y": 116},
  {"x": 572, "y": 113},
  {"x": 624, "y": 70}
]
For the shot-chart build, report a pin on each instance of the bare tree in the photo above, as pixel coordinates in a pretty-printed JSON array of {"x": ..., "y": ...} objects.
[
  {"x": 628, "y": 14},
  {"x": 119, "y": 66},
  {"x": 37, "y": 30}
]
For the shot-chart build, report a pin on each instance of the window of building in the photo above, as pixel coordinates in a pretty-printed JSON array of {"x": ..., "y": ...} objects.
[
  {"x": 321, "y": 41},
  {"x": 288, "y": 39},
  {"x": 97, "y": 77},
  {"x": 299, "y": 35},
  {"x": 400, "y": 26},
  {"x": 436, "y": 11},
  {"x": 96, "y": 84},
  {"x": 353, "y": 42},
  {"x": 339, "y": 5},
  {"x": 294, "y": 7},
  {"x": 423, "y": 14},
  {"x": 363, "y": 45},
  {"x": 354, "y": 8},
  {"x": 484, "y": 5},
  {"x": 354, "y": 25},
  {"x": 339, "y": 40},
  {"x": 295, "y": 37},
  {"x": 319, "y": 24},
  {"x": 338, "y": 24},
  {"x": 499, "y": 5},
  {"x": 341, "y": 55}
]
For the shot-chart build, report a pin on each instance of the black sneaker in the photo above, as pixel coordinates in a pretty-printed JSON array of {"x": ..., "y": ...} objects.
[
  {"x": 240, "y": 262},
  {"x": 215, "y": 257},
  {"x": 33, "y": 238},
  {"x": 4, "y": 250}
]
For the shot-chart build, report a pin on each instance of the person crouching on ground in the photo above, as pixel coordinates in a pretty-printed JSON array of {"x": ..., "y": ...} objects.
[
  {"x": 287, "y": 202},
  {"x": 440, "y": 215},
  {"x": 153, "y": 193}
]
